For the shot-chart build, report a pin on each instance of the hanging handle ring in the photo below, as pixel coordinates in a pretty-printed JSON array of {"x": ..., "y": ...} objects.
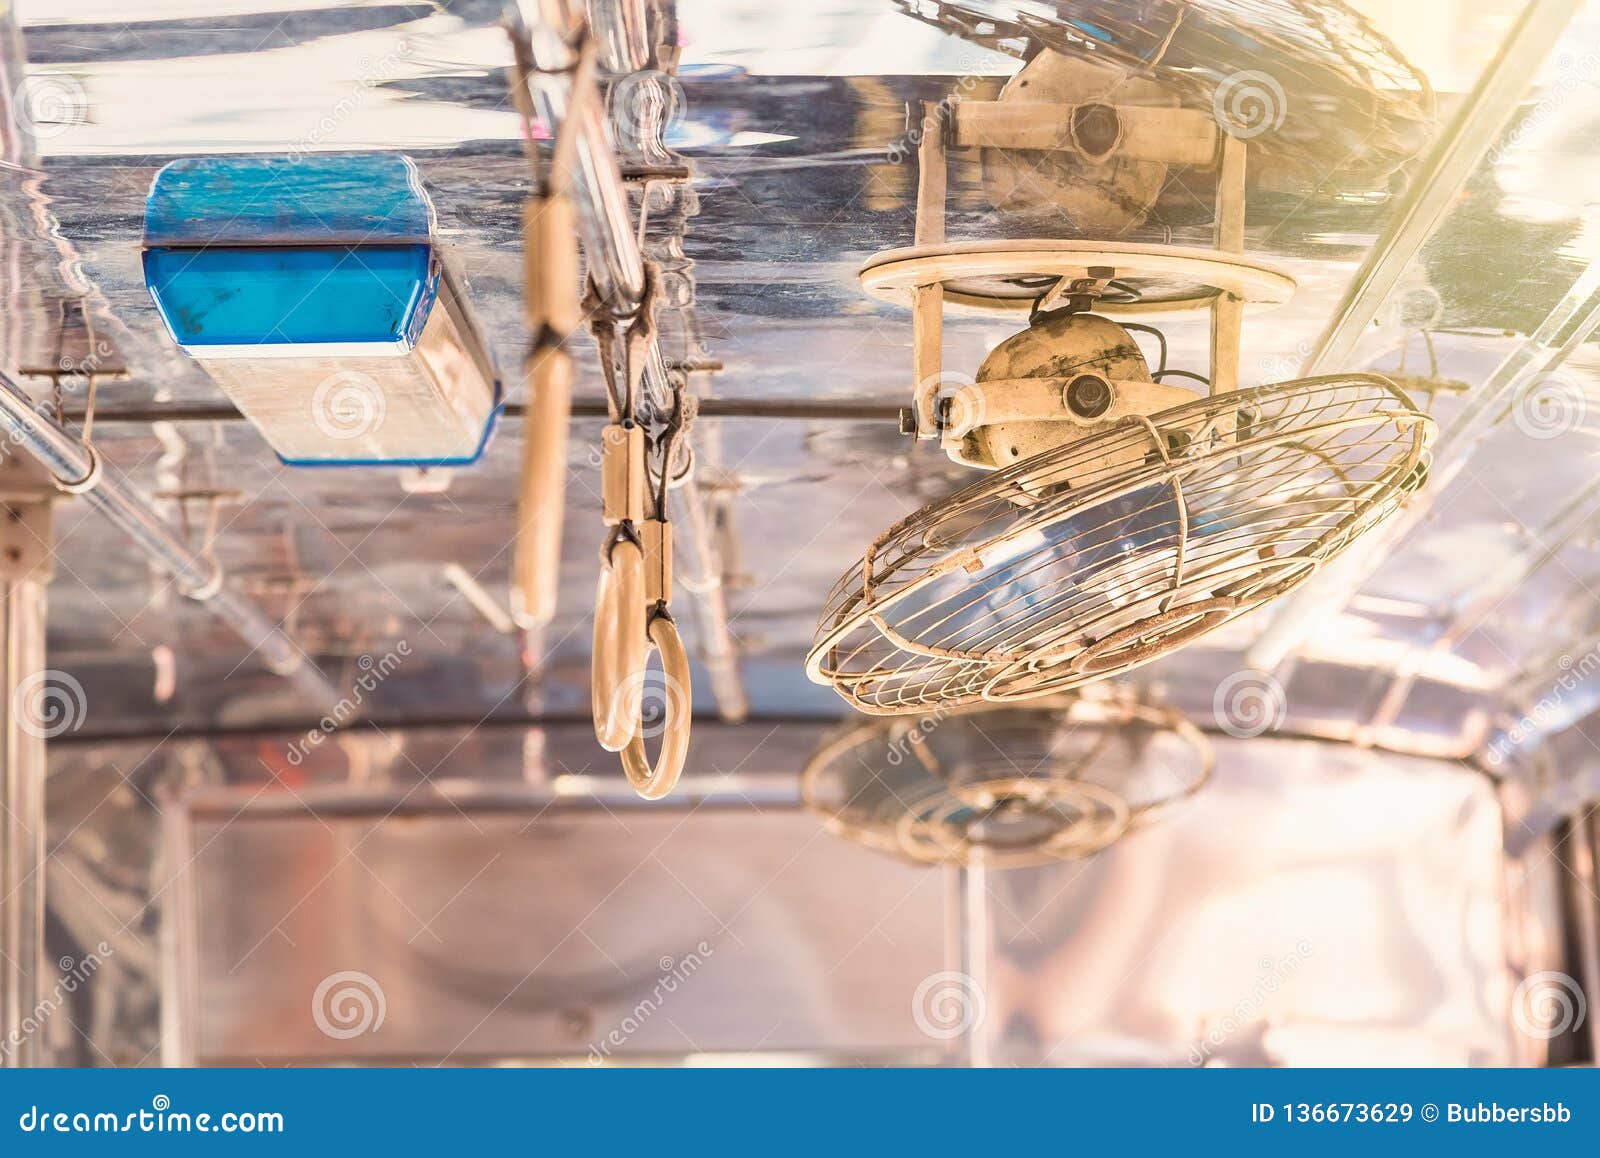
[
  {"x": 621, "y": 646},
  {"x": 653, "y": 783}
]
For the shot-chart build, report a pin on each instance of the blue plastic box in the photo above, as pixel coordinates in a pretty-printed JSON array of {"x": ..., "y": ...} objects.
[{"x": 312, "y": 291}]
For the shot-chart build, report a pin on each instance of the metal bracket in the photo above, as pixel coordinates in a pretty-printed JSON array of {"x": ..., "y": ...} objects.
[
  {"x": 1095, "y": 130},
  {"x": 27, "y": 492}
]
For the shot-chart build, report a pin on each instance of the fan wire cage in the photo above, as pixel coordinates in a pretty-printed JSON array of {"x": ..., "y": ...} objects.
[
  {"x": 1318, "y": 87},
  {"x": 1094, "y": 558}
]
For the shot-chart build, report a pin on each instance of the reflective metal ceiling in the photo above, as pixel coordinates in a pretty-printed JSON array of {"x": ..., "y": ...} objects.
[{"x": 792, "y": 116}]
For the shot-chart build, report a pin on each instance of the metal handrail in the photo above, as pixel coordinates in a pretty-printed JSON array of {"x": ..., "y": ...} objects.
[
  {"x": 1482, "y": 116},
  {"x": 78, "y": 469},
  {"x": 553, "y": 31}
]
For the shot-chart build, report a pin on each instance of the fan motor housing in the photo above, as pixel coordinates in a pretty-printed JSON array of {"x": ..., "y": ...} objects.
[
  {"x": 1063, "y": 378},
  {"x": 1089, "y": 184}
]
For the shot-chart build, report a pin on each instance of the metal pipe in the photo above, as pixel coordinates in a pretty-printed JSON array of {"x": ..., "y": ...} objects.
[
  {"x": 975, "y": 953},
  {"x": 622, "y": 32},
  {"x": 696, "y": 543},
  {"x": 800, "y": 409},
  {"x": 23, "y": 846},
  {"x": 604, "y": 220},
  {"x": 79, "y": 469},
  {"x": 611, "y": 244},
  {"x": 1457, "y": 154},
  {"x": 1479, "y": 601},
  {"x": 1535, "y": 357},
  {"x": 1586, "y": 833}
]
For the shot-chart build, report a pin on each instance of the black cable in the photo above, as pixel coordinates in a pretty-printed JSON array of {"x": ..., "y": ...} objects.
[
  {"x": 1140, "y": 327},
  {"x": 1081, "y": 303},
  {"x": 1200, "y": 378}
]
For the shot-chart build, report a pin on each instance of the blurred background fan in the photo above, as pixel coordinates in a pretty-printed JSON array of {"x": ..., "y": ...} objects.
[{"x": 1005, "y": 787}]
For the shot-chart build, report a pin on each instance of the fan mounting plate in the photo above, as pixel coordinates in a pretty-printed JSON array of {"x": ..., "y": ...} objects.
[{"x": 1009, "y": 277}]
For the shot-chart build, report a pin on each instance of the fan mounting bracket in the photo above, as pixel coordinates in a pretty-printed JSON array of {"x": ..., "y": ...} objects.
[
  {"x": 997, "y": 276},
  {"x": 1094, "y": 130}
]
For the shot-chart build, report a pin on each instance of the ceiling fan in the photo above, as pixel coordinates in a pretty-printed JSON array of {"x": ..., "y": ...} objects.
[{"x": 1121, "y": 515}]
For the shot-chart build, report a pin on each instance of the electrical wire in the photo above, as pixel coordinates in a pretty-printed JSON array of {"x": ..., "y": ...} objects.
[
  {"x": 1161, "y": 339},
  {"x": 1200, "y": 378}
]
